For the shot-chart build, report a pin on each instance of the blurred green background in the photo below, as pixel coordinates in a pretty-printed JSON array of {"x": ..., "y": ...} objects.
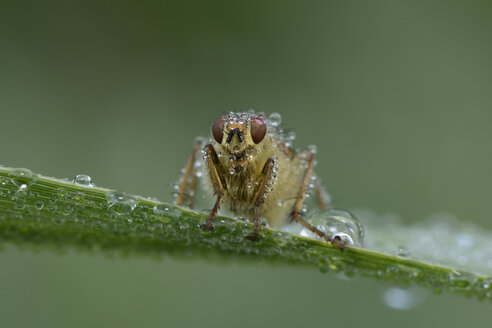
[{"x": 396, "y": 95}]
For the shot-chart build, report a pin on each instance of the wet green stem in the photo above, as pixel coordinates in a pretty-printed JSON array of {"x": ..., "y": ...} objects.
[{"x": 49, "y": 213}]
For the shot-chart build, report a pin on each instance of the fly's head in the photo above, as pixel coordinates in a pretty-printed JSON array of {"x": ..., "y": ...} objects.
[{"x": 238, "y": 136}]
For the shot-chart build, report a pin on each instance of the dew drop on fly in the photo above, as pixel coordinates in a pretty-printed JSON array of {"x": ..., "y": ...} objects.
[{"x": 275, "y": 119}]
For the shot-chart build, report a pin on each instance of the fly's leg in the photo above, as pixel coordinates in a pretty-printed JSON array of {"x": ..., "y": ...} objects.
[
  {"x": 189, "y": 171},
  {"x": 213, "y": 164},
  {"x": 296, "y": 213},
  {"x": 321, "y": 194},
  {"x": 267, "y": 174}
]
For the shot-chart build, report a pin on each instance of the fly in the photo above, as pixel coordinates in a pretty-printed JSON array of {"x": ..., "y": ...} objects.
[{"x": 251, "y": 168}]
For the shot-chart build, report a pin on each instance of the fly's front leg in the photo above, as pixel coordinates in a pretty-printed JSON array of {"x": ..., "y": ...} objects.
[
  {"x": 296, "y": 213},
  {"x": 213, "y": 164},
  {"x": 267, "y": 174},
  {"x": 189, "y": 171}
]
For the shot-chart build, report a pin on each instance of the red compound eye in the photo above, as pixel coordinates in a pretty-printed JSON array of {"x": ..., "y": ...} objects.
[
  {"x": 258, "y": 130},
  {"x": 218, "y": 129}
]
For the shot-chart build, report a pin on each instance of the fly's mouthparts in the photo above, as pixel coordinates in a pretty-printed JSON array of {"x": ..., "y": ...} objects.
[{"x": 236, "y": 156}]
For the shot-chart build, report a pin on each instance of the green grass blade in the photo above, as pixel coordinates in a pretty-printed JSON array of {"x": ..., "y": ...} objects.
[{"x": 50, "y": 213}]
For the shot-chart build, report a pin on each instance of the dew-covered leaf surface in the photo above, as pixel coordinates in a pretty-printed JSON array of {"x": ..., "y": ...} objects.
[{"x": 48, "y": 213}]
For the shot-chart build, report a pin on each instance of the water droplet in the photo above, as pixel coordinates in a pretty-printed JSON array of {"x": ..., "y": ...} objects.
[
  {"x": 275, "y": 119},
  {"x": 313, "y": 149},
  {"x": 82, "y": 179},
  {"x": 67, "y": 210},
  {"x": 290, "y": 136},
  {"x": 21, "y": 192},
  {"x": 161, "y": 210},
  {"x": 76, "y": 196},
  {"x": 232, "y": 171},
  {"x": 19, "y": 205},
  {"x": 164, "y": 219},
  {"x": 343, "y": 237},
  {"x": 166, "y": 211},
  {"x": 404, "y": 299},
  {"x": 462, "y": 280},
  {"x": 21, "y": 177},
  {"x": 121, "y": 202},
  {"x": 39, "y": 204},
  {"x": 264, "y": 222},
  {"x": 402, "y": 251},
  {"x": 156, "y": 226},
  {"x": 337, "y": 224},
  {"x": 52, "y": 206},
  {"x": 280, "y": 202},
  {"x": 250, "y": 152},
  {"x": 62, "y": 192}
]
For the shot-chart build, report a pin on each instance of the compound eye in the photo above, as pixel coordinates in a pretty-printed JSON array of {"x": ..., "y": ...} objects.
[
  {"x": 218, "y": 129},
  {"x": 258, "y": 130}
]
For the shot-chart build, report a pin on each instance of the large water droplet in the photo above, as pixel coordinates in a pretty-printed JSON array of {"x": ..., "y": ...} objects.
[
  {"x": 275, "y": 119},
  {"x": 22, "y": 177},
  {"x": 337, "y": 224},
  {"x": 121, "y": 202},
  {"x": 83, "y": 180}
]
